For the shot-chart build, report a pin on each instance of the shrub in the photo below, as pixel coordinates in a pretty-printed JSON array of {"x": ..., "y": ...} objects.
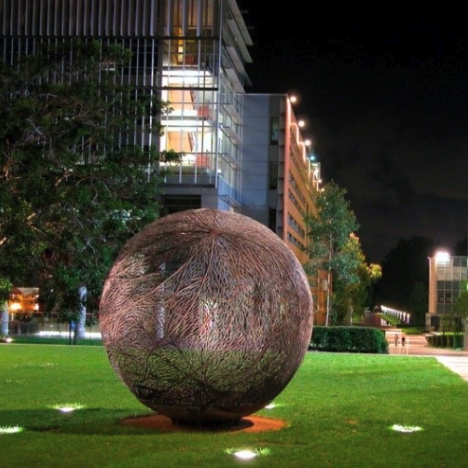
[
  {"x": 458, "y": 341},
  {"x": 445, "y": 341},
  {"x": 349, "y": 340}
]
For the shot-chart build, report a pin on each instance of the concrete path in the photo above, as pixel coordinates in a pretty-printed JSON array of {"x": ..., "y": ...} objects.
[
  {"x": 416, "y": 345},
  {"x": 457, "y": 364}
]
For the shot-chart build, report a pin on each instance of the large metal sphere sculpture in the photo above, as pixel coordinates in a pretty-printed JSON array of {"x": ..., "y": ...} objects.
[{"x": 206, "y": 316}]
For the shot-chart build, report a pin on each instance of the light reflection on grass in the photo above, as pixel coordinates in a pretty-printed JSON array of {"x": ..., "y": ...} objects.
[
  {"x": 247, "y": 454},
  {"x": 11, "y": 429},
  {"x": 68, "y": 408},
  {"x": 400, "y": 428}
]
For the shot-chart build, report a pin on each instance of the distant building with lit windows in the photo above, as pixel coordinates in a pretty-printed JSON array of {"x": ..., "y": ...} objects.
[
  {"x": 448, "y": 276},
  {"x": 203, "y": 53},
  {"x": 190, "y": 53}
]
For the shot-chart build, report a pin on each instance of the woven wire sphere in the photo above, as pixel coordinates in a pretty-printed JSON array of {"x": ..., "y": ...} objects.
[{"x": 206, "y": 316}]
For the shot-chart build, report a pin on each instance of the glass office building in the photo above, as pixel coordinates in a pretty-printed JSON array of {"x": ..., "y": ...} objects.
[
  {"x": 190, "y": 53},
  {"x": 193, "y": 55},
  {"x": 203, "y": 75},
  {"x": 448, "y": 276}
]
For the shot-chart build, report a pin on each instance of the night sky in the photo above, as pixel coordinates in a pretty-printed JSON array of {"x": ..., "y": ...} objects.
[{"x": 385, "y": 96}]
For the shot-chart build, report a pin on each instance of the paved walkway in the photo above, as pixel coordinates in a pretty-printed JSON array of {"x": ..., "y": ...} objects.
[{"x": 416, "y": 345}]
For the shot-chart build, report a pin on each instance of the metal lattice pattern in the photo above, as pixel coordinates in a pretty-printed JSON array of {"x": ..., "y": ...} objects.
[{"x": 206, "y": 315}]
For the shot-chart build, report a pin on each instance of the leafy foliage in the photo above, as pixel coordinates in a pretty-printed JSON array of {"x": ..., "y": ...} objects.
[
  {"x": 349, "y": 340},
  {"x": 335, "y": 249},
  {"x": 74, "y": 186},
  {"x": 460, "y": 310},
  {"x": 351, "y": 298},
  {"x": 329, "y": 230},
  {"x": 5, "y": 287}
]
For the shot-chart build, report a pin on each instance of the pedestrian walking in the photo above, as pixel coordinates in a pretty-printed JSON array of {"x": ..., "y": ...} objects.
[
  {"x": 396, "y": 341},
  {"x": 404, "y": 347}
]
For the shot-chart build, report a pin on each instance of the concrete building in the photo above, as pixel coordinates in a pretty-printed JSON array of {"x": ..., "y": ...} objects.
[
  {"x": 240, "y": 152},
  {"x": 192, "y": 53},
  {"x": 448, "y": 276},
  {"x": 204, "y": 50},
  {"x": 280, "y": 176}
]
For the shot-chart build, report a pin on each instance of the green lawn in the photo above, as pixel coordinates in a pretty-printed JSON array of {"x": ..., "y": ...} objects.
[{"x": 339, "y": 409}]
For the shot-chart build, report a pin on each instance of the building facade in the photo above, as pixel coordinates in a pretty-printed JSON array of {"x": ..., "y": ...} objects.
[
  {"x": 239, "y": 152},
  {"x": 204, "y": 51},
  {"x": 280, "y": 176},
  {"x": 448, "y": 276},
  {"x": 190, "y": 53}
]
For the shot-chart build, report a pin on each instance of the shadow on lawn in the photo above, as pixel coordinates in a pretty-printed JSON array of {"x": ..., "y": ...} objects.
[
  {"x": 87, "y": 421},
  {"x": 97, "y": 421}
]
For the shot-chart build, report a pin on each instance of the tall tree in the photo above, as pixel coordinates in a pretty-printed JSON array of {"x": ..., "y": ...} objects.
[
  {"x": 329, "y": 230},
  {"x": 73, "y": 185},
  {"x": 351, "y": 297}
]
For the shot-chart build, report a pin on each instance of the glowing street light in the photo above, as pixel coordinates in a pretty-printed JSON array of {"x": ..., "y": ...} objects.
[{"x": 442, "y": 256}]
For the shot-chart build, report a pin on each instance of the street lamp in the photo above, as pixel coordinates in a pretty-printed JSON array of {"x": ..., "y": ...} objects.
[{"x": 442, "y": 256}]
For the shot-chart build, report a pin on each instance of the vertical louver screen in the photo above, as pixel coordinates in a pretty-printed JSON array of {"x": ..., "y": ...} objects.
[{"x": 78, "y": 17}]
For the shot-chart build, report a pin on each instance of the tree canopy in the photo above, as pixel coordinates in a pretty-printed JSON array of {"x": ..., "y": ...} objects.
[
  {"x": 460, "y": 310},
  {"x": 351, "y": 298},
  {"x": 74, "y": 185},
  {"x": 331, "y": 248}
]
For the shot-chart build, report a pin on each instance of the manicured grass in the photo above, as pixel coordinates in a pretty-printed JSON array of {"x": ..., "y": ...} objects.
[
  {"x": 391, "y": 319},
  {"x": 413, "y": 330},
  {"x": 339, "y": 409}
]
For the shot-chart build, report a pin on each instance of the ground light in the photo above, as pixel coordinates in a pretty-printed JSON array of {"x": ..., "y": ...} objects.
[
  {"x": 400, "y": 428},
  {"x": 247, "y": 454},
  {"x": 11, "y": 430},
  {"x": 68, "y": 408},
  {"x": 273, "y": 405}
]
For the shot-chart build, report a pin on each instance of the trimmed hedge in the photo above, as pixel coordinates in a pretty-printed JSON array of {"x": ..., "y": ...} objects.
[
  {"x": 445, "y": 341},
  {"x": 349, "y": 340}
]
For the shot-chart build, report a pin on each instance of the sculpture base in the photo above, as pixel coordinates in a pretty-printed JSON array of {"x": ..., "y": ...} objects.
[
  {"x": 217, "y": 425},
  {"x": 162, "y": 423},
  {"x": 203, "y": 415}
]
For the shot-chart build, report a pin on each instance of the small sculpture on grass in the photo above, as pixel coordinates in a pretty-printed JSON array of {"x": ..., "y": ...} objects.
[{"x": 206, "y": 316}]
